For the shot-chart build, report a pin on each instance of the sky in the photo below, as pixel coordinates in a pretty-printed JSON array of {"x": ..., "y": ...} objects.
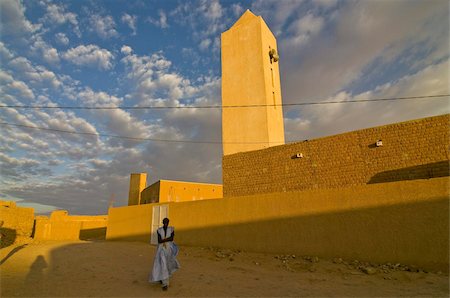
[{"x": 167, "y": 53}]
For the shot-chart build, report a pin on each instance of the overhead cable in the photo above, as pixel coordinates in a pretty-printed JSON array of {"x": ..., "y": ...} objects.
[
  {"x": 221, "y": 106},
  {"x": 126, "y": 137}
]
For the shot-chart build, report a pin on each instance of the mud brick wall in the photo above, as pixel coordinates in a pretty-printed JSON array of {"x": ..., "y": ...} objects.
[{"x": 417, "y": 149}]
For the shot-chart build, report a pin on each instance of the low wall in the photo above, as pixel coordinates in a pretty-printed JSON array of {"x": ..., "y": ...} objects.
[
  {"x": 62, "y": 226},
  {"x": 406, "y": 222},
  {"x": 131, "y": 223},
  {"x": 15, "y": 222},
  {"x": 416, "y": 149}
]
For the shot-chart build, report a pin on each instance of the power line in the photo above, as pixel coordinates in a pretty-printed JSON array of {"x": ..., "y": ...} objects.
[
  {"x": 128, "y": 138},
  {"x": 221, "y": 106}
]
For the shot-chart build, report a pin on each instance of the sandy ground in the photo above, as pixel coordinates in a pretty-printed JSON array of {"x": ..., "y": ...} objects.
[{"x": 120, "y": 269}]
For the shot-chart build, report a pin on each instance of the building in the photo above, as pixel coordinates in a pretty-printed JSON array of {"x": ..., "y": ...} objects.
[{"x": 169, "y": 191}]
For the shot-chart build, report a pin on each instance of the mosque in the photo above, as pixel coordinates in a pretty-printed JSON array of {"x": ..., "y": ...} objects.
[{"x": 379, "y": 194}]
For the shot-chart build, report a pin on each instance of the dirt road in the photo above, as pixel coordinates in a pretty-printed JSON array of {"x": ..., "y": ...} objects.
[{"x": 120, "y": 269}]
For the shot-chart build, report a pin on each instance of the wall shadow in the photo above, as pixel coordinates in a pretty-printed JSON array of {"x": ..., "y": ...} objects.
[
  {"x": 411, "y": 233},
  {"x": 426, "y": 171},
  {"x": 93, "y": 234},
  {"x": 8, "y": 236},
  {"x": 12, "y": 252}
]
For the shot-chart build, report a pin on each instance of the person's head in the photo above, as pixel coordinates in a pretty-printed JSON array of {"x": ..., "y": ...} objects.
[{"x": 166, "y": 222}]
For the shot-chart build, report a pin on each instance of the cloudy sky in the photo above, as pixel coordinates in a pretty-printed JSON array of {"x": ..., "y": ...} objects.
[{"x": 167, "y": 53}]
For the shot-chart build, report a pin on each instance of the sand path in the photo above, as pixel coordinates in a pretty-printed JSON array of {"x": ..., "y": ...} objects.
[{"x": 120, "y": 269}]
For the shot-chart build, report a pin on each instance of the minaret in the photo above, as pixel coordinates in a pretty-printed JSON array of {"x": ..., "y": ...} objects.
[
  {"x": 250, "y": 76},
  {"x": 138, "y": 182}
]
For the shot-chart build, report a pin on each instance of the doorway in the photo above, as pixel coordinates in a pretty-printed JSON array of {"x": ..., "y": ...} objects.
[{"x": 159, "y": 213}]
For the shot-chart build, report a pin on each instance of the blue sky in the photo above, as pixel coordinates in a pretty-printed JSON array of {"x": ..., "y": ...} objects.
[{"x": 130, "y": 53}]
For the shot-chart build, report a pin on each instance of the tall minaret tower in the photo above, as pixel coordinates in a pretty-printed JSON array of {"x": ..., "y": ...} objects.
[{"x": 250, "y": 76}]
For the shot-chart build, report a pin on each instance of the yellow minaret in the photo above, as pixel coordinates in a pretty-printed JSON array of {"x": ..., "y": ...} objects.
[
  {"x": 138, "y": 182},
  {"x": 250, "y": 76}
]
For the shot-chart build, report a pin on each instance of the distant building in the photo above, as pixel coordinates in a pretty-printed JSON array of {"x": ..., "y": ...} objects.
[{"x": 164, "y": 191}]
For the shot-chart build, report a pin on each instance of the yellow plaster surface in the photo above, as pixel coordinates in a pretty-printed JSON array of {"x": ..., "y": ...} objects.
[
  {"x": 405, "y": 222},
  {"x": 15, "y": 221},
  {"x": 62, "y": 226},
  {"x": 131, "y": 223},
  {"x": 249, "y": 78},
  {"x": 180, "y": 191}
]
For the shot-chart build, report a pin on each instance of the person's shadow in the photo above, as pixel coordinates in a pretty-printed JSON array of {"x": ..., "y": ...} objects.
[{"x": 35, "y": 279}]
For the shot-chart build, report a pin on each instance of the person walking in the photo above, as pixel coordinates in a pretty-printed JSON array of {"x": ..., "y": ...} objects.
[{"x": 165, "y": 262}]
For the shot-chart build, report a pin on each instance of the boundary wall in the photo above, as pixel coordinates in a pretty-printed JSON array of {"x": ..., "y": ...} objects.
[
  {"x": 15, "y": 222},
  {"x": 405, "y": 222},
  {"x": 62, "y": 226},
  {"x": 417, "y": 149}
]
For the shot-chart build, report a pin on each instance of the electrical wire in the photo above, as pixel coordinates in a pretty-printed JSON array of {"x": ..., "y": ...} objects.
[
  {"x": 128, "y": 138},
  {"x": 221, "y": 106}
]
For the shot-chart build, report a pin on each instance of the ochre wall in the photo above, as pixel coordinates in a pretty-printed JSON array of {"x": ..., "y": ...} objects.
[
  {"x": 406, "y": 222},
  {"x": 132, "y": 223},
  {"x": 415, "y": 149},
  {"x": 247, "y": 80},
  {"x": 15, "y": 222},
  {"x": 62, "y": 226},
  {"x": 180, "y": 191}
]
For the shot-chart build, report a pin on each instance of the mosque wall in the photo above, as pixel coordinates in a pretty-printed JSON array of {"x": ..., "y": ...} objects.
[
  {"x": 401, "y": 222},
  {"x": 417, "y": 149}
]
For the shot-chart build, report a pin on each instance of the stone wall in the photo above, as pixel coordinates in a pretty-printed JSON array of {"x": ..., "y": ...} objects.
[{"x": 417, "y": 149}]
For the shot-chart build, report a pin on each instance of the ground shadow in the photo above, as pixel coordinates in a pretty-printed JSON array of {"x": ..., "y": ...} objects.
[
  {"x": 426, "y": 171},
  {"x": 12, "y": 252}
]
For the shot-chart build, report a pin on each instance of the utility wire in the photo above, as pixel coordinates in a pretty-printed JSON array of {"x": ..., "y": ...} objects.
[
  {"x": 128, "y": 138},
  {"x": 221, "y": 106}
]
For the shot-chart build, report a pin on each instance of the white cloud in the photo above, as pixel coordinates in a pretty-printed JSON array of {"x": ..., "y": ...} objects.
[
  {"x": 126, "y": 50},
  {"x": 57, "y": 15},
  {"x": 62, "y": 38},
  {"x": 361, "y": 33},
  {"x": 204, "y": 44},
  {"x": 13, "y": 21},
  {"x": 326, "y": 3},
  {"x": 5, "y": 53},
  {"x": 22, "y": 88},
  {"x": 337, "y": 118},
  {"x": 161, "y": 22},
  {"x": 276, "y": 13},
  {"x": 46, "y": 51},
  {"x": 237, "y": 9},
  {"x": 213, "y": 9},
  {"x": 16, "y": 88},
  {"x": 206, "y": 18},
  {"x": 90, "y": 55},
  {"x": 303, "y": 29},
  {"x": 130, "y": 21},
  {"x": 18, "y": 162},
  {"x": 39, "y": 76},
  {"x": 104, "y": 26}
]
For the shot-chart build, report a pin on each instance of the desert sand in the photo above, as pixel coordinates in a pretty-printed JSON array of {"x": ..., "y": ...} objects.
[{"x": 120, "y": 269}]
